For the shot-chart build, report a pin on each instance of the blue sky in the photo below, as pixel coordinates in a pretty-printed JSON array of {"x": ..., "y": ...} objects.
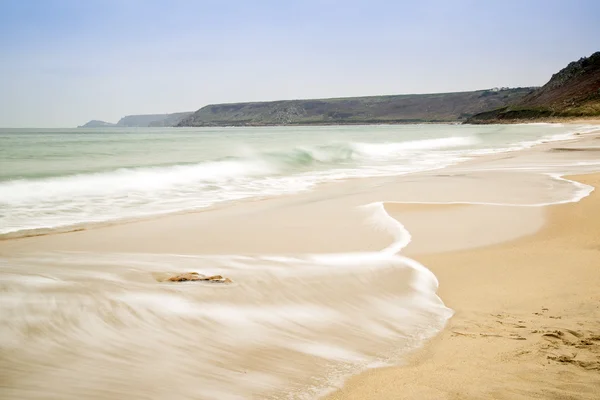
[{"x": 64, "y": 62}]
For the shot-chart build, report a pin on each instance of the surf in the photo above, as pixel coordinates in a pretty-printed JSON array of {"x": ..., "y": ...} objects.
[{"x": 95, "y": 179}]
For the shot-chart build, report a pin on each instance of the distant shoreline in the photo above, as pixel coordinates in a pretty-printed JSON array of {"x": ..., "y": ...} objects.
[
  {"x": 556, "y": 120},
  {"x": 452, "y": 107},
  {"x": 342, "y": 123}
]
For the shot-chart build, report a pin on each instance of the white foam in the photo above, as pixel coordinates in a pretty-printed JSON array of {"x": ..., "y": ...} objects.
[
  {"x": 328, "y": 351},
  {"x": 387, "y": 150},
  {"x": 163, "y": 303},
  {"x": 380, "y": 219},
  {"x": 32, "y": 280},
  {"x": 139, "y": 181}
]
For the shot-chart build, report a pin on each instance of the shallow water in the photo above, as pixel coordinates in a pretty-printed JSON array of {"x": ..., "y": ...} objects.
[
  {"x": 104, "y": 325},
  {"x": 101, "y": 326}
]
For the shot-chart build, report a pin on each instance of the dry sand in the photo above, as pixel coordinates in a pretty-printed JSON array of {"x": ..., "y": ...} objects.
[{"x": 527, "y": 322}]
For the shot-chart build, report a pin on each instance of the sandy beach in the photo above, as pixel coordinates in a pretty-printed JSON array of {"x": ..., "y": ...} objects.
[
  {"x": 514, "y": 250},
  {"x": 526, "y": 323},
  {"x": 527, "y": 311}
]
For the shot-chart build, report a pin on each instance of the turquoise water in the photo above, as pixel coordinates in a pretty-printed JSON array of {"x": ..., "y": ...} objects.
[{"x": 51, "y": 178}]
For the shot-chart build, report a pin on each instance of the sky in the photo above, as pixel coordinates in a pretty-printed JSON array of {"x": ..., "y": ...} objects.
[{"x": 65, "y": 62}]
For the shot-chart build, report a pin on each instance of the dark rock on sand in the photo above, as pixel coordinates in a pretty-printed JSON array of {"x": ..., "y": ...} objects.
[{"x": 194, "y": 276}]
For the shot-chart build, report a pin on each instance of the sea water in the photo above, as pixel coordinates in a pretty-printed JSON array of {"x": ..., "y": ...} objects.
[{"x": 61, "y": 178}]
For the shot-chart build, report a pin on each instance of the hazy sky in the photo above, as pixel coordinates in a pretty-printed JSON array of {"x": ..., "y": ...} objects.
[{"x": 65, "y": 62}]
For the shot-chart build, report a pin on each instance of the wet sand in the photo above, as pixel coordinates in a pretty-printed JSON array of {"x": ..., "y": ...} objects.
[
  {"x": 527, "y": 311},
  {"x": 527, "y": 322},
  {"x": 335, "y": 218},
  {"x": 522, "y": 279}
]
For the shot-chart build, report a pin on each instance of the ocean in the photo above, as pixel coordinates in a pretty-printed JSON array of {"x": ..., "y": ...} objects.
[{"x": 65, "y": 178}]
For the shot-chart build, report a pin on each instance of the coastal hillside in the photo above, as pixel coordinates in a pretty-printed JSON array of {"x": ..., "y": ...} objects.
[
  {"x": 413, "y": 108},
  {"x": 572, "y": 92},
  {"x": 170, "y": 119},
  {"x": 151, "y": 119},
  {"x": 144, "y": 120}
]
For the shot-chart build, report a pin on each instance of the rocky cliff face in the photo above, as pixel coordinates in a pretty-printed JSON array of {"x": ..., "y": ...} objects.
[
  {"x": 574, "y": 91},
  {"x": 437, "y": 107}
]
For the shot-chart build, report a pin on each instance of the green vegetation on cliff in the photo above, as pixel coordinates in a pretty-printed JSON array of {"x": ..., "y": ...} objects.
[
  {"x": 413, "y": 108},
  {"x": 572, "y": 92}
]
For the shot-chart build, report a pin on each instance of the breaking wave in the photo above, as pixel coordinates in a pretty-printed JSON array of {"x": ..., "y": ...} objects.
[{"x": 286, "y": 164}]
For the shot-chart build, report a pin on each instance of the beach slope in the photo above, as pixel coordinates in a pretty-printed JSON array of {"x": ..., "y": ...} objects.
[{"x": 527, "y": 322}]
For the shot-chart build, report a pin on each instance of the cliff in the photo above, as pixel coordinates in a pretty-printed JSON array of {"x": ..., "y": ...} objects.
[
  {"x": 170, "y": 119},
  {"x": 143, "y": 120},
  {"x": 413, "y": 108},
  {"x": 151, "y": 120},
  {"x": 574, "y": 91}
]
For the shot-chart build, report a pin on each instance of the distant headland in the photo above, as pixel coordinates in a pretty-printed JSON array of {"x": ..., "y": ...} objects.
[
  {"x": 144, "y": 120},
  {"x": 395, "y": 109},
  {"x": 573, "y": 92}
]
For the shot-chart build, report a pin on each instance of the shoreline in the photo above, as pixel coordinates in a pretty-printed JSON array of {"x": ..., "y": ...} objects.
[
  {"x": 552, "y": 120},
  {"x": 529, "y": 341},
  {"x": 340, "y": 218},
  {"x": 549, "y": 120},
  {"x": 474, "y": 158}
]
